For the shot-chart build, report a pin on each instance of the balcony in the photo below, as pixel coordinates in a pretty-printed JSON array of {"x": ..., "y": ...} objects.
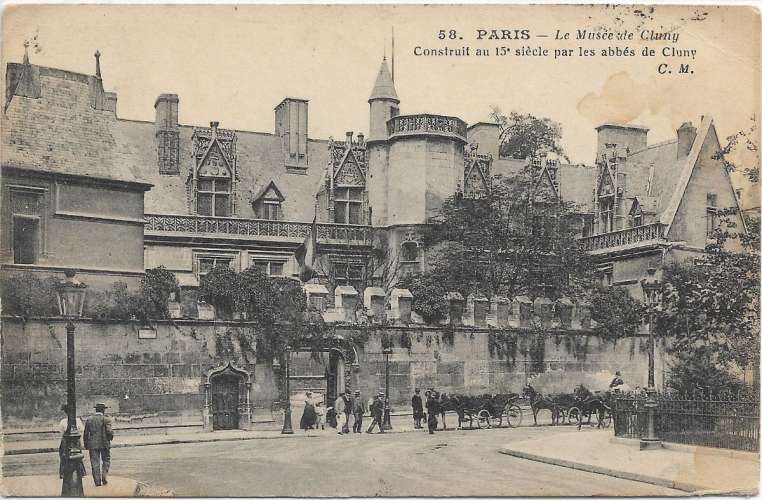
[
  {"x": 438, "y": 125},
  {"x": 230, "y": 227},
  {"x": 601, "y": 243}
]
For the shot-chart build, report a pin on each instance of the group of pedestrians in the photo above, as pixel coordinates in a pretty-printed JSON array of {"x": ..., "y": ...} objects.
[
  {"x": 433, "y": 407},
  {"x": 96, "y": 436},
  {"x": 347, "y": 408}
]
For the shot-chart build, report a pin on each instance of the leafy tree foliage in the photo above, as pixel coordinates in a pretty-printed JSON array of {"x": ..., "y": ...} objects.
[
  {"x": 429, "y": 296},
  {"x": 526, "y": 136},
  {"x": 26, "y": 295},
  {"x": 614, "y": 310},
  {"x": 517, "y": 239},
  {"x": 156, "y": 287}
]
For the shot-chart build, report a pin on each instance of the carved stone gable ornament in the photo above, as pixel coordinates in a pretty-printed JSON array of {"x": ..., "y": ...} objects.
[
  {"x": 349, "y": 174},
  {"x": 477, "y": 175}
]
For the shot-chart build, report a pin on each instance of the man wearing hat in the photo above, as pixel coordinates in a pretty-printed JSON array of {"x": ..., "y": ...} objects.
[
  {"x": 417, "y": 404},
  {"x": 97, "y": 440},
  {"x": 377, "y": 412},
  {"x": 358, "y": 410},
  {"x": 344, "y": 405}
]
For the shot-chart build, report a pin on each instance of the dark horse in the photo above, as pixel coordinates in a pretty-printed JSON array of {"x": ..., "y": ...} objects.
[
  {"x": 451, "y": 403},
  {"x": 589, "y": 403},
  {"x": 539, "y": 402}
]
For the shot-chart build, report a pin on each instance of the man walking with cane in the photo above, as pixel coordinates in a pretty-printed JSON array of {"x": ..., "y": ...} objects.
[{"x": 97, "y": 439}]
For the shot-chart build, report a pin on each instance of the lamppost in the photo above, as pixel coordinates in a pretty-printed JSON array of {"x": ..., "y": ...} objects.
[
  {"x": 651, "y": 286},
  {"x": 387, "y": 425},
  {"x": 287, "y": 428},
  {"x": 71, "y": 299}
]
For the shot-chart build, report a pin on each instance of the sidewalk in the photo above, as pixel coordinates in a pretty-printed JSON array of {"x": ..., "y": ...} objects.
[
  {"x": 400, "y": 423},
  {"x": 50, "y": 486},
  {"x": 692, "y": 469}
]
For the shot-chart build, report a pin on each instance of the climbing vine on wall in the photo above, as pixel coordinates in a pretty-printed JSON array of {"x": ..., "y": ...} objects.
[{"x": 503, "y": 345}]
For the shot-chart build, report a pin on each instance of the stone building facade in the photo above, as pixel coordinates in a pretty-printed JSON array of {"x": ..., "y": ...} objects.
[{"x": 84, "y": 188}]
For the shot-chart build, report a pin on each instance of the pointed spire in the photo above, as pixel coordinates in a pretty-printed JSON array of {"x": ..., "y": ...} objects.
[
  {"x": 98, "y": 63},
  {"x": 26, "y": 52},
  {"x": 384, "y": 87}
]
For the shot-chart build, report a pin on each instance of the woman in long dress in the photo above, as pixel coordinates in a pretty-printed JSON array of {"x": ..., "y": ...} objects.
[{"x": 309, "y": 416}]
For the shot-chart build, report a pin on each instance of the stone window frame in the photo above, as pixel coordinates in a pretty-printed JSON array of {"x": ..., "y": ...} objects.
[
  {"x": 199, "y": 255},
  {"x": 349, "y": 203},
  {"x": 214, "y": 194},
  {"x": 42, "y": 194},
  {"x": 712, "y": 217}
]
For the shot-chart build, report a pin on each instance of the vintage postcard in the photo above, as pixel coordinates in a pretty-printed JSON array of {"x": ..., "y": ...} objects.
[{"x": 380, "y": 250}]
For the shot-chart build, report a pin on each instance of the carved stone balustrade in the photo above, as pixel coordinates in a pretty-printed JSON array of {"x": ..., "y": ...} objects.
[
  {"x": 599, "y": 243},
  {"x": 425, "y": 124},
  {"x": 158, "y": 224}
]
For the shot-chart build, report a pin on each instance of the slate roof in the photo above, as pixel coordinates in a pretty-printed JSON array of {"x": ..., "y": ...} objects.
[
  {"x": 660, "y": 162},
  {"x": 60, "y": 132},
  {"x": 260, "y": 161},
  {"x": 384, "y": 87}
]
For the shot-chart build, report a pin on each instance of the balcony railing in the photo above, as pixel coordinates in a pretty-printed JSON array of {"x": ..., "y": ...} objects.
[
  {"x": 630, "y": 236},
  {"x": 448, "y": 126},
  {"x": 255, "y": 227}
]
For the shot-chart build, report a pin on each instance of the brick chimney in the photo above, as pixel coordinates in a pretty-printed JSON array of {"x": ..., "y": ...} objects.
[
  {"x": 686, "y": 135},
  {"x": 291, "y": 127},
  {"x": 167, "y": 134}
]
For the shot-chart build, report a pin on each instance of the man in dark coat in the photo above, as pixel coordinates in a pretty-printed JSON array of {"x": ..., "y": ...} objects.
[
  {"x": 417, "y": 403},
  {"x": 97, "y": 439},
  {"x": 344, "y": 405},
  {"x": 377, "y": 412},
  {"x": 432, "y": 408},
  {"x": 358, "y": 410}
]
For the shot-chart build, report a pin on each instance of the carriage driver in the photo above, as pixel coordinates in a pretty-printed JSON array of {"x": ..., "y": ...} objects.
[{"x": 616, "y": 382}]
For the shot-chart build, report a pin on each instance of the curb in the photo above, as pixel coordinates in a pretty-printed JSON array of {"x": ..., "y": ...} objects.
[{"x": 642, "y": 478}]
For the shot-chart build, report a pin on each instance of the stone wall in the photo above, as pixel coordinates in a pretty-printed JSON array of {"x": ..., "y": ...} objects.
[{"x": 165, "y": 375}]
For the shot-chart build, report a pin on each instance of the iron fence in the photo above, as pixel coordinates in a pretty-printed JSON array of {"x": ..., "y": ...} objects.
[{"x": 718, "y": 423}]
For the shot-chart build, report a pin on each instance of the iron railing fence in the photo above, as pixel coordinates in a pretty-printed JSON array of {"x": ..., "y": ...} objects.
[{"x": 717, "y": 422}]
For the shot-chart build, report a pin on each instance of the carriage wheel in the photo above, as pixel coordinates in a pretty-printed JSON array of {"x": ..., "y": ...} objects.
[
  {"x": 483, "y": 419},
  {"x": 513, "y": 415},
  {"x": 574, "y": 416}
]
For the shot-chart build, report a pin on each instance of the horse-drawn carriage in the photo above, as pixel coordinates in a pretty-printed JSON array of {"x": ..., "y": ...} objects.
[
  {"x": 486, "y": 411},
  {"x": 572, "y": 408}
]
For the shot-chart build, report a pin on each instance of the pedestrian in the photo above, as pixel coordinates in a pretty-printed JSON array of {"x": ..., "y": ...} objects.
[
  {"x": 343, "y": 406},
  {"x": 377, "y": 412},
  {"x": 432, "y": 408},
  {"x": 358, "y": 410},
  {"x": 320, "y": 413},
  {"x": 309, "y": 417},
  {"x": 417, "y": 403},
  {"x": 62, "y": 451},
  {"x": 97, "y": 440}
]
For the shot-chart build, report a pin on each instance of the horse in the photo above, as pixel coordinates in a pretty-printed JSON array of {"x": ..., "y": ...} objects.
[
  {"x": 451, "y": 403},
  {"x": 539, "y": 402},
  {"x": 589, "y": 403}
]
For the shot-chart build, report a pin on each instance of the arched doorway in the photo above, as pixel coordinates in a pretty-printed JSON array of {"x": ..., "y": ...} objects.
[{"x": 227, "y": 403}]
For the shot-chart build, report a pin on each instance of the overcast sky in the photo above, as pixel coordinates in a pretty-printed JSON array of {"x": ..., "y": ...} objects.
[{"x": 234, "y": 64}]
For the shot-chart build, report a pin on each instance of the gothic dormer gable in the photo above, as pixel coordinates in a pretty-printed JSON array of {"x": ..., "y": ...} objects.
[
  {"x": 605, "y": 182},
  {"x": 546, "y": 189},
  {"x": 349, "y": 172},
  {"x": 476, "y": 172},
  {"x": 214, "y": 163}
]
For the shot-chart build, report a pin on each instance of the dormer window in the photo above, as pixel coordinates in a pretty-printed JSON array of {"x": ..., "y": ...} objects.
[
  {"x": 214, "y": 196},
  {"x": 348, "y": 205},
  {"x": 268, "y": 203}
]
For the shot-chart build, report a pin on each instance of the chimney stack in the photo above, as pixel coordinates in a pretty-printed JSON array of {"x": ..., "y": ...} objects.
[
  {"x": 349, "y": 139},
  {"x": 686, "y": 135},
  {"x": 291, "y": 127},
  {"x": 167, "y": 134}
]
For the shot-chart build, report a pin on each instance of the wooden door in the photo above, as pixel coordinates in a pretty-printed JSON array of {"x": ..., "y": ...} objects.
[{"x": 225, "y": 402}]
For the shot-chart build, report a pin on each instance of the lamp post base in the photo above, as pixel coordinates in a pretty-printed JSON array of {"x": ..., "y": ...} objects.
[
  {"x": 648, "y": 444},
  {"x": 387, "y": 420},
  {"x": 287, "y": 429},
  {"x": 72, "y": 479}
]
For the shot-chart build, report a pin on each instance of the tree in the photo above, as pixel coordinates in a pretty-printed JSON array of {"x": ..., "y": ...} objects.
[
  {"x": 517, "y": 239},
  {"x": 615, "y": 312},
  {"x": 156, "y": 287},
  {"x": 526, "y": 136},
  {"x": 741, "y": 153},
  {"x": 429, "y": 296}
]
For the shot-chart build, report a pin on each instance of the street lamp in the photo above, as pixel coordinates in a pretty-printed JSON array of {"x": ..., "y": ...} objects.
[
  {"x": 387, "y": 425},
  {"x": 287, "y": 428},
  {"x": 651, "y": 287},
  {"x": 71, "y": 299}
]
